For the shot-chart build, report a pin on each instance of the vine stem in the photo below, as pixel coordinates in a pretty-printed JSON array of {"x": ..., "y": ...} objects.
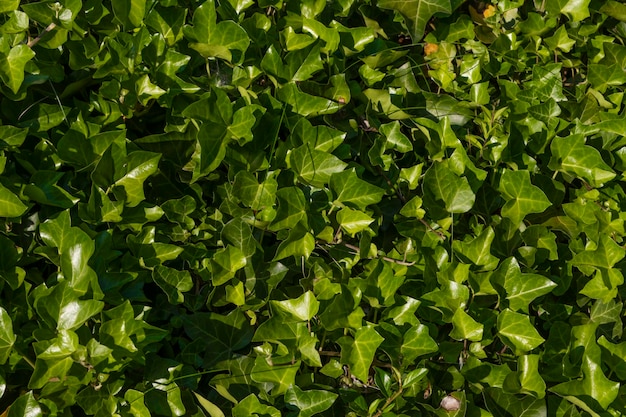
[
  {"x": 389, "y": 400},
  {"x": 36, "y": 40}
]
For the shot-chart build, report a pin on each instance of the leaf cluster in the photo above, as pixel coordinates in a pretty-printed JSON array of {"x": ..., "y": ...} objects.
[{"x": 357, "y": 207}]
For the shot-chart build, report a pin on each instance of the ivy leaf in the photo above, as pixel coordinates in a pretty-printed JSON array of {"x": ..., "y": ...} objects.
[
  {"x": 502, "y": 404},
  {"x": 12, "y": 66},
  {"x": 302, "y": 308},
  {"x": 309, "y": 402},
  {"x": 575, "y": 10},
  {"x": 520, "y": 289},
  {"x": 522, "y": 197},
  {"x": 572, "y": 156},
  {"x": 516, "y": 331},
  {"x": 444, "y": 185},
  {"x": 10, "y": 204},
  {"x": 25, "y": 405},
  {"x": 478, "y": 250},
  {"x": 606, "y": 255},
  {"x": 417, "y": 342},
  {"x": 349, "y": 188},
  {"x": 465, "y": 327},
  {"x": 7, "y": 337},
  {"x": 139, "y": 166},
  {"x": 314, "y": 167},
  {"x": 173, "y": 282},
  {"x": 360, "y": 353},
  {"x": 353, "y": 221},
  {"x": 417, "y": 13},
  {"x": 251, "y": 405}
]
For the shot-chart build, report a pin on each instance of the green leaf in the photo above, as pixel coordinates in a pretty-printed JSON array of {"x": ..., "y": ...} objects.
[
  {"x": 291, "y": 208},
  {"x": 225, "y": 263},
  {"x": 521, "y": 196},
  {"x": 575, "y": 10},
  {"x": 614, "y": 9},
  {"x": 446, "y": 186},
  {"x": 417, "y": 13},
  {"x": 360, "y": 353},
  {"x": 353, "y": 221},
  {"x": 12, "y": 66},
  {"x": 520, "y": 289},
  {"x": 516, "y": 331},
  {"x": 572, "y": 156},
  {"x": 221, "y": 335},
  {"x": 252, "y": 194},
  {"x": 417, "y": 342},
  {"x": 282, "y": 375},
  {"x": 478, "y": 250},
  {"x": 7, "y": 337},
  {"x": 251, "y": 405},
  {"x": 302, "y": 308},
  {"x": 606, "y": 255},
  {"x": 299, "y": 243},
  {"x": 309, "y": 402},
  {"x": 25, "y": 406},
  {"x": 136, "y": 401},
  {"x": 10, "y": 204},
  {"x": 173, "y": 282},
  {"x": 349, "y": 188},
  {"x": 304, "y": 104},
  {"x": 314, "y": 167},
  {"x": 501, "y": 404},
  {"x": 465, "y": 327},
  {"x": 139, "y": 166}
]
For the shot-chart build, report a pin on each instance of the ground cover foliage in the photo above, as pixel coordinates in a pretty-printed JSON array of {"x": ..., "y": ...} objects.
[{"x": 364, "y": 208}]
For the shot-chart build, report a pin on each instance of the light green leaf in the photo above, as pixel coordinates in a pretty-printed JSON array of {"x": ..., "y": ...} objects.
[
  {"x": 252, "y": 194},
  {"x": 173, "y": 282},
  {"x": 361, "y": 351},
  {"x": 520, "y": 289},
  {"x": 446, "y": 186},
  {"x": 10, "y": 204},
  {"x": 139, "y": 166},
  {"x": 522, "y": 197},
  {"x": 478, "y": 250},
  {"x": 138, "y": 407},
  {"x": 395, "y": 138},
  {"x": 299, "y": 243},
  {"x": 208, "y": 406},
  {"x": 314, "y": 167},
  {"x": 614, "y": 9},
  {"x": 225, "y": 263},
  {"x": 251, "y": 406},
  {"x": 282, "y": 375},
  {"x": 417, "y": 342},
  {"x": 417, "y": 13},
  {"x": 572, "y": 156},
  {"x": 516, "y": 331},
  {"x": 25, "y": 406},
  {"x": 291, "y": 208},
  {"x": 575, "y": 10},
  {"x": 606, "y": 255},
  {"x": 302, "y": 308},
  {"x": 306, "y": 104},
  {"x": 465, "y": 327},
  {"x": 309, "y": 402},
  {"x": 12, "y": 66},
  {"x": 353, "y": 221},
  {"x": 7, "y": 337},
  {"x": 129, "y": 12},
  {"x": 349, "y": 188}
]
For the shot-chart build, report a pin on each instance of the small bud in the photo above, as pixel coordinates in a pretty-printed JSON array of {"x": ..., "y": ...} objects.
[{"x": 450, "y": 403}]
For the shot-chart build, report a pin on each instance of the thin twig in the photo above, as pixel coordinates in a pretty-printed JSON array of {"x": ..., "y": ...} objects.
[
  {"x": 34, "y": 41},
  {"x": 386, "y": 258}
]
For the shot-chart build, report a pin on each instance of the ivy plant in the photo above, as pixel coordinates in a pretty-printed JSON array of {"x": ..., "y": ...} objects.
[{"x": 301, "y": 208}]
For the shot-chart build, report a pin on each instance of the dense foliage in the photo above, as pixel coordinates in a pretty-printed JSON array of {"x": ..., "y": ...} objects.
[{"x": 354, "y": 207}]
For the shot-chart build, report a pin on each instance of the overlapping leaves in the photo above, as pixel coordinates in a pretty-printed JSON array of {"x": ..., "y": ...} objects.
[{"x": 306, "y": 208}]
